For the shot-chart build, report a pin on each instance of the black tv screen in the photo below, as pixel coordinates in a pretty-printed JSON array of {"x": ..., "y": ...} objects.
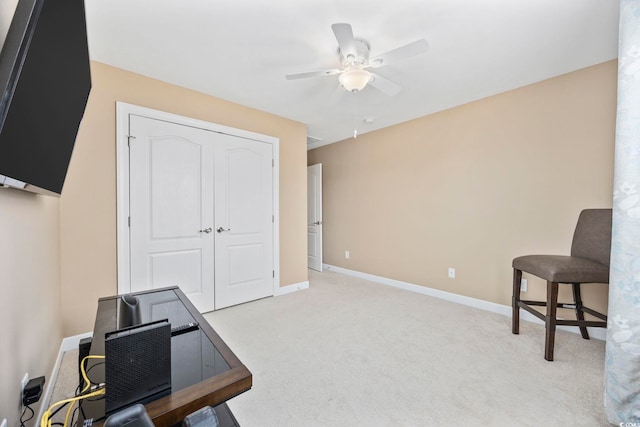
[{"x": 45, "y": 81}]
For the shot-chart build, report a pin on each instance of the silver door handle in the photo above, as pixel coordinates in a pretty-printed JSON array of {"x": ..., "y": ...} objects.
[
  {"x": 220, "y": 229},
  {"x": 318, "y": 222},
  {"x": 206, "y": 230}
]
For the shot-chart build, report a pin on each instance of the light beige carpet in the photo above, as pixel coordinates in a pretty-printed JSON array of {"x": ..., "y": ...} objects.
[{"x": 347, "y": 352}]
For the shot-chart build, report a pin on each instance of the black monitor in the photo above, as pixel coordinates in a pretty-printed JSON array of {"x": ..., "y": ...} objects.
[{"x": 45, "y": 81}]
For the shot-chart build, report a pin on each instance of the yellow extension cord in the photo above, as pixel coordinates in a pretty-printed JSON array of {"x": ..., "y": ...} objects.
[{"x": 45, "y": 421}]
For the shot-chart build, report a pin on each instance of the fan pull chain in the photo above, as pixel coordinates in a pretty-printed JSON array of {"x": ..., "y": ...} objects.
[{"x": 355, "y": 115}]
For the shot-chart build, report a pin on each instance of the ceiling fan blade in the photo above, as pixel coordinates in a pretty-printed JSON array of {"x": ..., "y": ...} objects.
[
  {"x": 346, "y": 41},
  {"x": 313, "y": 74},
  {"x": 412, "y": 49},
  {"x": 385, "y": 86}
]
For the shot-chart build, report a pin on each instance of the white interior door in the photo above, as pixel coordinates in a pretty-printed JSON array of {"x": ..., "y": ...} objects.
[
  {"x": 171, "y": 208},
  {"x": 314, "y": 217},
  {"x": 243, "y": 220}
]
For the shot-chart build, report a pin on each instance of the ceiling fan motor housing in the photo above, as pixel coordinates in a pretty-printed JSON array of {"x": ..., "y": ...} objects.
[{"x": 362, "y": 58}]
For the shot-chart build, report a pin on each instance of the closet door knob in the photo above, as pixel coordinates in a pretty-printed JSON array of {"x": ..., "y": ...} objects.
[
  {"x": 206, "y": 230},
  {"x": 220, "y": 229}
]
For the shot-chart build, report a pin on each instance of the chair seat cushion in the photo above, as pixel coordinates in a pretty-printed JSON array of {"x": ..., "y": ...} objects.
[{"x": 563, "y": 269}]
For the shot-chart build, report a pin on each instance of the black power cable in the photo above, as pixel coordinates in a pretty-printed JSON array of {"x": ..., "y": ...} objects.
[{"x": 22, "y": 421}]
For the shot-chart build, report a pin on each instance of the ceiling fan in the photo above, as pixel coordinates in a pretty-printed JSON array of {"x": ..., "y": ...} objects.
[{"x": 355, "y": 60}]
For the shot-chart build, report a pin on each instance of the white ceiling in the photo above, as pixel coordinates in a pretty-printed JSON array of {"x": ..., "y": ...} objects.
[{"x": 240, "y": 51}]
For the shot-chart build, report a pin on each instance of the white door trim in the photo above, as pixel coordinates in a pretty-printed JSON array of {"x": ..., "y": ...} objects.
[{"x": 123, "y": 110}]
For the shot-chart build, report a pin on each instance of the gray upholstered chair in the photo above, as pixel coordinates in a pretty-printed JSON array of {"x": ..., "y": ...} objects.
[{"x": 588, "y": 263}]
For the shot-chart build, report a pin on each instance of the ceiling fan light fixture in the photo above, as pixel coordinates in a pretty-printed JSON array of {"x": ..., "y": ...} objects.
[{"x": 355, "y": 80}]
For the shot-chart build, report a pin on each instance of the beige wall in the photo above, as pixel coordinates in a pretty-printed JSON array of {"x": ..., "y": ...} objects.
[
  {"x": 29, "y": 291},
  {"x": 88, "y": 203},
  {"x": 474, "y": 186}
]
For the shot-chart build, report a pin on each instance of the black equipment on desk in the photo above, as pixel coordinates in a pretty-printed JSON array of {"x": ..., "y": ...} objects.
[
  {"x": 137, "y": 364},
  {"x": 133, "y": 416},
  {"x": 130, "y": 314}
]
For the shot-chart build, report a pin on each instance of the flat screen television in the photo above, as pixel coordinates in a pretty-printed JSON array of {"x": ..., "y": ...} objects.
[{"x": 45, "y": 82}]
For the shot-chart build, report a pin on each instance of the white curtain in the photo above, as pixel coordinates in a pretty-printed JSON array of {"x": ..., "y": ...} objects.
[{"x": 622, "y": 364}]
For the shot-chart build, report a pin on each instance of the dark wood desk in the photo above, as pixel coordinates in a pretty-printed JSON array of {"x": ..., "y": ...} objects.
[{"x": 219, "y": 377}]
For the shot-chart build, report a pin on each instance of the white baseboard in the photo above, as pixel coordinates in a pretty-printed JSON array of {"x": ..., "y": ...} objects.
[
  {"x": 284, "y": 290},
  {"x": 68, "y": 343},
  {"x": 71, "y": 343},
  {"x": 597, "y": 333}
]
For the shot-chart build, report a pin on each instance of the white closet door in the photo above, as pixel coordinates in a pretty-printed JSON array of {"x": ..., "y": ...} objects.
[
  {"x": 244, "y": 220},
  {"x": 201, "y": 209},
  {"x": 171, "y": 209}
]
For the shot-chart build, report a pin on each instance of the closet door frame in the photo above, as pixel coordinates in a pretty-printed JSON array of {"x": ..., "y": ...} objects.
[{"x": 123, "y": 110}]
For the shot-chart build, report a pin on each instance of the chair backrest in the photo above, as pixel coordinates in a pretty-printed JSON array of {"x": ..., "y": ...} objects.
[{"x": 592, "y": 238}]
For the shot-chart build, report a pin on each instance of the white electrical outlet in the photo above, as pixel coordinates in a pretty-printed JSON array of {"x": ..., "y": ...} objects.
[
  {"x": 451, "y": 273},
  {"x": 346, "y": 254},
  {"x": 523, "y": 285},
  {"x": 3, "y": 423},
  {"x": 23, "y": 384}
]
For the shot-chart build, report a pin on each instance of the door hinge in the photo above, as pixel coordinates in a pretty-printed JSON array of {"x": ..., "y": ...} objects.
[
  {"x": 273, "y": 163},
  {"x": 129, "y": 138},
  {"x": 129, "y": 221},
  {"x": 273, "y": 274},
  {"x": 273, "y": 219}
]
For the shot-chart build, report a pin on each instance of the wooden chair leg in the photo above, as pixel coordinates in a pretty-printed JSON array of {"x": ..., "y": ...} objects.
[
  {"x": 515, "y": 316},
  {"x": 550, "y": 319},
  {"x": 579, "y": 313}
]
